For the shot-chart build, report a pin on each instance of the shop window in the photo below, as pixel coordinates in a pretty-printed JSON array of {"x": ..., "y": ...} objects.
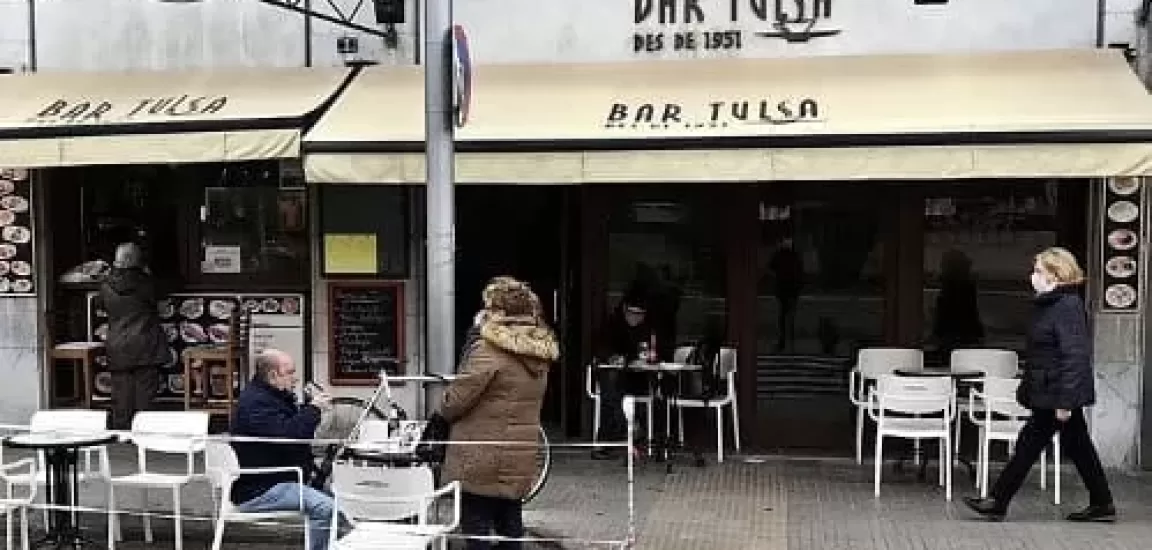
[
  {"x": 253, "y": 225},
  {"x": 364, "y": 231},
  {"x": 979, "y": 242}
]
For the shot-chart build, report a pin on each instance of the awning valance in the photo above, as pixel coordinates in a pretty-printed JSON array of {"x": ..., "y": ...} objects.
[
  {"x": 70, "y": 119},
  {"x": 1060, "y": 113}
]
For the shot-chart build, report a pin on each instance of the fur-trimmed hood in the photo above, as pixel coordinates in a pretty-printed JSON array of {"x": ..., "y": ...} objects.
[{"x": 522, "y": 336}]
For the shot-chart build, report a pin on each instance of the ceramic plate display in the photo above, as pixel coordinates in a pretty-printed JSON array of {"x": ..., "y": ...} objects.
[
  {"x": 1121, "y": 267},
  {"x": 18, "y": 174},
  {"x": 1122, "y": 239},
  {"x": 21, "y": 268},
  {"x": 1120, "y": 296},
  {"x": 104, "y": 382},
  {"x": 7, "y": 217},
  {"x": 21, "y": 285},
  {"x": 1124, "y": 186},
  {"x": 7, "y": 251},
  {"x": 6, "y": 187},
  {"x": 1123, "y": 211},
  {"x": 14, "y": 203},
  {"x": 16, "y": 234}
]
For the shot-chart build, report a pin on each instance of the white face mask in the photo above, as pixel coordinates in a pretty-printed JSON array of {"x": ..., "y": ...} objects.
[{"x": 1041, "y": 283}]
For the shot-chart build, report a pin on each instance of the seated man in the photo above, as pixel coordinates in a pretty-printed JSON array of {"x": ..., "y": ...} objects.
[
  {"x": 267, "y": 408},
  {"x": 624, "y": 333}
]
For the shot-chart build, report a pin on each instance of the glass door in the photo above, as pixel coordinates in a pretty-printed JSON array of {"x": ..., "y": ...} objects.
[{"x": 821, "y": 289}]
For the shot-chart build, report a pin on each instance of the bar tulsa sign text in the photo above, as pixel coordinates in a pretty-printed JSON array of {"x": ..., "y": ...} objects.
[
  {"x": 714, "y": 114},
  {"x": 63, "y": 111}
]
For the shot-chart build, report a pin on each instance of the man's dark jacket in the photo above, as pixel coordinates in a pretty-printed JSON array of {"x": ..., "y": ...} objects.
[
  {"x": 265, "y": 411},
  {"x": 135, "y": 337},
  {"x": 1058, "y": 370}
]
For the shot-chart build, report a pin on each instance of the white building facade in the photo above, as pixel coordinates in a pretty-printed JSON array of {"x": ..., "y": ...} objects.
[{"x": 150, "y": 35}]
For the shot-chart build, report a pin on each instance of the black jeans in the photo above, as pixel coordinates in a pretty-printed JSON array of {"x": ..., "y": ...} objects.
[
  {"x": 613, "y": 385},
  {"x": 132, "y": 391},
  {"x": 1075, "y": 443},
  {"x": 483, "y": 515}
]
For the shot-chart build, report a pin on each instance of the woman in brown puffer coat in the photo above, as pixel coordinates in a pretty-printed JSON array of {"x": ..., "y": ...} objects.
[{"x": 497, "y": 397}]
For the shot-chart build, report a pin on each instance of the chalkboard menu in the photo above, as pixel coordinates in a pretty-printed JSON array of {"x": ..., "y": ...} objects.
[
  {"x": 366, "y": 323},
  {"x": 17, "y": 270}
]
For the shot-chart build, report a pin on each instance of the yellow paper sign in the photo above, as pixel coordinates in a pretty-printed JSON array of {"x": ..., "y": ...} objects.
[{"x": 354, "y": 253}]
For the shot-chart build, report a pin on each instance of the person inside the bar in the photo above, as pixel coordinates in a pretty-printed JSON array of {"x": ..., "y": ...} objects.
[
  {"x": 624, "y": 335},
  {"x": 1058, "y": 383},
  {"x": 957, "y": 323},
  {"x": 497, "y": 398},
  {"x": 268, "y": 408},
  {"x": 136, "y": 343}
]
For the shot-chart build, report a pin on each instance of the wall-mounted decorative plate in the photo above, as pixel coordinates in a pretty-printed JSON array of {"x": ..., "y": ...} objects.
[
  {"x": 1120, "y": 296},
  {"x": 1123, "y": 212}
]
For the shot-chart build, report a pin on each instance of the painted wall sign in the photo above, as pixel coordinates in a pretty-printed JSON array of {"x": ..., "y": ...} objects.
[
  {"x": 714, "y": 114},
  {"x": 686, "y": 25},
  {"x": 65, "y": 111}
]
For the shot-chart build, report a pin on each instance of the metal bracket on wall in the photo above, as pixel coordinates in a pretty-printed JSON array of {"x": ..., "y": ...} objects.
[{"x": 342, "y": 14}]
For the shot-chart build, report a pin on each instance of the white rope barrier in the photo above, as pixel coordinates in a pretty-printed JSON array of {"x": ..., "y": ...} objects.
[
  {"x": 128, "y": 436},
  {"x": 300, "y": 526},
  {"x": 196, "y": 440}
]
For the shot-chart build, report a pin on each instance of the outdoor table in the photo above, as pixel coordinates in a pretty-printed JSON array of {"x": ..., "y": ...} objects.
[
  {"x": 659, "y": 393},
  {"x": 61, "y": 451}
]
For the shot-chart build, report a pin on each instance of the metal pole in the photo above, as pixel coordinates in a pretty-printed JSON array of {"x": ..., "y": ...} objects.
[{"x": 439, "y": 134}]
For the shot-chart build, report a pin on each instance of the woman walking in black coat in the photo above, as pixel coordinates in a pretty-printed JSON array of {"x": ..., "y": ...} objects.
[{"x": 1056, "y": 386}]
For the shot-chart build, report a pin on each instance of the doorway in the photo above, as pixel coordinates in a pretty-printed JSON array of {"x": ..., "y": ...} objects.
[{"x": 523, "y": 232}]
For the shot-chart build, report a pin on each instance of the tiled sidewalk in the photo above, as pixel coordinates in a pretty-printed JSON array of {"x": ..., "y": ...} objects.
[{"x": 766, "y": 504}]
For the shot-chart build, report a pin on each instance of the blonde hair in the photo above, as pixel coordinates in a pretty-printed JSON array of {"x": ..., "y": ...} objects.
[{"x": 1062, "y": 265}]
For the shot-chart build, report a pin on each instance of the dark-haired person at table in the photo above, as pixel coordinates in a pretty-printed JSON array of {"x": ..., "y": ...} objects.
[
  {"x": 1057, "y": 384},
  {"x": 623, "y": 335}
]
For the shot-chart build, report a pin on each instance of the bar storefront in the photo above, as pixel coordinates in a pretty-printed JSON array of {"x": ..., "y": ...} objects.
[
  {"x": 203, "y": 170},
  {"x": 803, "y": 208}
]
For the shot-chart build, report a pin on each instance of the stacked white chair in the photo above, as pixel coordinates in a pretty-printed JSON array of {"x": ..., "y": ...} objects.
[
  {"x": 997, "y": 415},
  {"x": 223, "y": 469},
  {"x": 593, "y": 392},
  {"x": 993, "y": 363},
  {"x": 376, "y": 500},
  {"x": 168, "y": 432},
  {"x": 871, "y": 364},
  {"x": 11, "y": 503},
  {"x": 925, "y": 407},
  {"x": 726, "y": 368}
]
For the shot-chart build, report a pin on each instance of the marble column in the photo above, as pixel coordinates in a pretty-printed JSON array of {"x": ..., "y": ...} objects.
[
  {"x": 1116, "y": 418},
  {"x": 21, "y": 355}
]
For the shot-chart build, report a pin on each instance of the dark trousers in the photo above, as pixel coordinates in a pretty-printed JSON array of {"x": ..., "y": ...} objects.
[
  {"x": 132, "y": 391},
  {"x": 613, "y": 385},
  {"x": 483, "y": 515},
  {"x": 1075, "y": 443}
]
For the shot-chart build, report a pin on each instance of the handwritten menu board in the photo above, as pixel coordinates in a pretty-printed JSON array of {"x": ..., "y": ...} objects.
[
  {"x": 17, "y": 271},
  {"x": 366, "y": 330}
]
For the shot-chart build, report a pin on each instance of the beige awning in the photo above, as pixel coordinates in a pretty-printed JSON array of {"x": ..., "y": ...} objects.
[
  {"x": 70, "y": 119},
  {"x": 1063, "y": 113}
]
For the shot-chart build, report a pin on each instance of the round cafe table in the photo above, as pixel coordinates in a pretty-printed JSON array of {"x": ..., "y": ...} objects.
[
  {"x": 61, "y": 451},
  {"x": 663, "y": 395}
]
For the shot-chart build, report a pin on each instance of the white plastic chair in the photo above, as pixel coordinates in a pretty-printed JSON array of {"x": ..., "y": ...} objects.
[
  {"x": 168, "y": 432},
  {"x": 994, "y": 363},
  {"x": 223, "y": 469},
  {"x": 11, "y": 504},
  {"x": 374, "y": 498},
  {"x": 931, "y": 397},
  {"x": 594, "y": 394},
  {"x": 871, "y": 364},
  {"x": 95, "y": 463},
  {"x": 726, "y": 368},
  {"x": 998, "y": 399}
]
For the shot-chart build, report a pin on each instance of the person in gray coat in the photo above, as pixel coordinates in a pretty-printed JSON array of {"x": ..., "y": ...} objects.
[{"x": 137, "y": 346}]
